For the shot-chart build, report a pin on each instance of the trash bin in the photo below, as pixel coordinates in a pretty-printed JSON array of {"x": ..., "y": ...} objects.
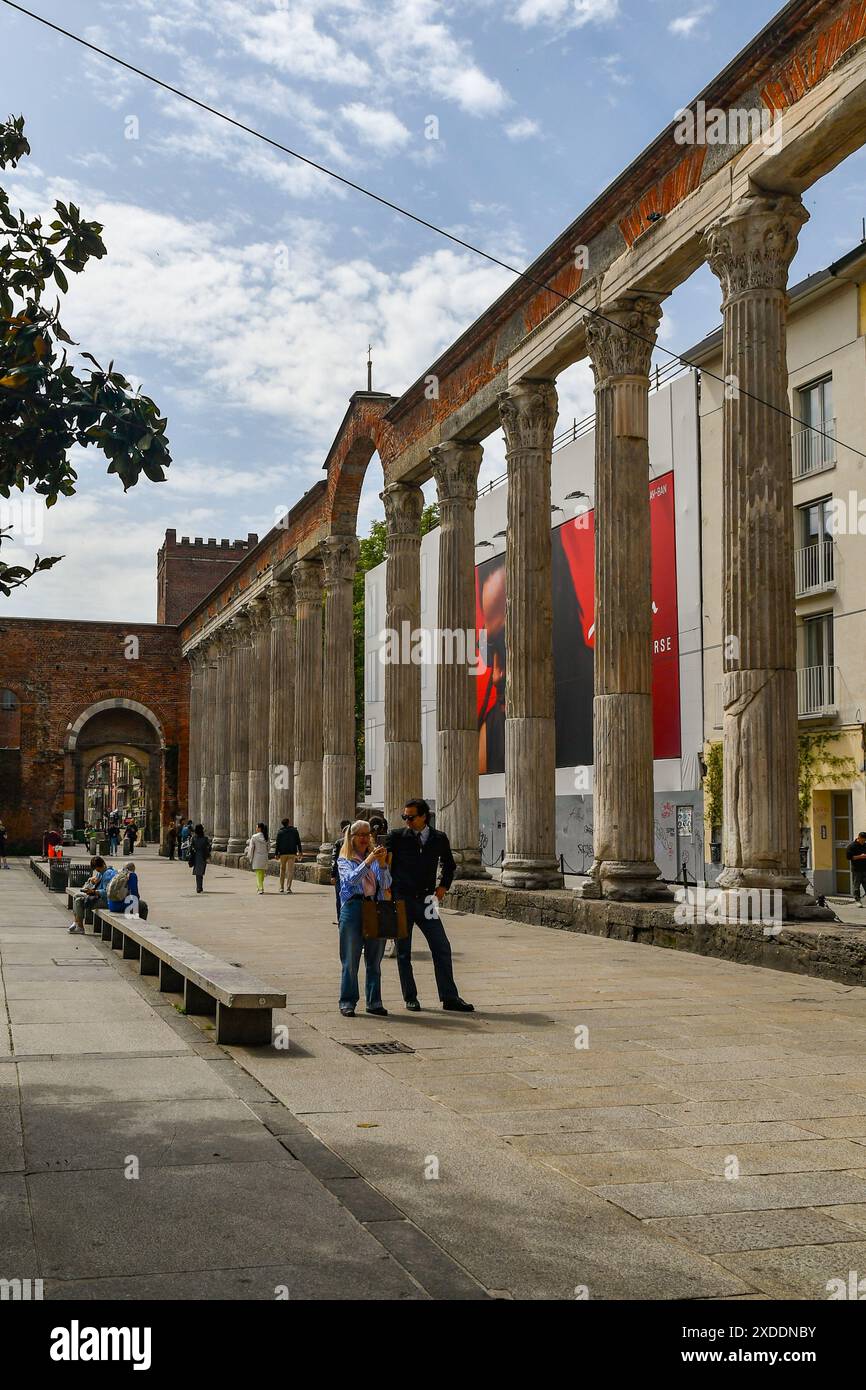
[
  {"x": 58, "y": 876},
  {"x": 92, "y": 845}
]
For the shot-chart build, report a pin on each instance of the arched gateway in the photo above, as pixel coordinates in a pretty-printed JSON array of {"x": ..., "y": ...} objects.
[{"x": 114, "y": 729}]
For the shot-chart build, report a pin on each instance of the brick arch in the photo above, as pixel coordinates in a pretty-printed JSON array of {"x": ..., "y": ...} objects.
[
  {"x": 363, "y": 433},
  {"x": 70, "y": 739}
]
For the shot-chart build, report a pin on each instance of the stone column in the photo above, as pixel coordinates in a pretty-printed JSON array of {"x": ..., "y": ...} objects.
[
  {"x": 281, "y": 739},
  {"x": 222, "y": 645},
  {"x": 750, "y": 249},
  {"x": 620, "y": 344},
  {"x": 404, "y": 760},
  {"x": 528, "y": 411},
  {"x": 455, "y": 468},
  {"x": 307, "y": 579},
  {"x": 196, "y": 731},
  {"x": 208, "y": 717},
  {"x": 260, "y": 698},
  {"x": 339, "y": 559},
  {"x": 239, "y": 698}
]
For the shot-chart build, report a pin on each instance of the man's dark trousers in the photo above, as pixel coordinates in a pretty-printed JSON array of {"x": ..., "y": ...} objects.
[{"x": 419, "y": 912}]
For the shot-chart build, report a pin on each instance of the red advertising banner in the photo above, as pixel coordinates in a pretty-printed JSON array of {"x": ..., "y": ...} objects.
[{"x": 573, "y": 565}]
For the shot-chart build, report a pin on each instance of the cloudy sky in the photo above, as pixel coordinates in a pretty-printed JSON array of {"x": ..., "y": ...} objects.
[{"x": 241, "y": 288}]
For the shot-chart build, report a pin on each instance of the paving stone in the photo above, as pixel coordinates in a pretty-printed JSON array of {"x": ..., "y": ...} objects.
[
  {"x": 819, "y": 1155},
  {"x": 804, "y": 1271},
  {"x": 759, "y": 1230},
  {"x": 744, "y": 1194},
  {"x": 853, "y": 1216},
  {"x": 362, "y": 1200},
  {"x": 593, "y": 1170},
  {"x": 17, "y": 1249},
  {"x": 88, "y": 1080},
  {"x": 439, "y": 1275}
]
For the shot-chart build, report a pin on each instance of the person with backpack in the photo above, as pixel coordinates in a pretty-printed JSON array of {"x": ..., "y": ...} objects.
[
  {"x": 288, "y": 850},
  {"x": 199, "y": 854},
  {"x": 123, "y": 894},
  {"x": 186, "y": 832}
]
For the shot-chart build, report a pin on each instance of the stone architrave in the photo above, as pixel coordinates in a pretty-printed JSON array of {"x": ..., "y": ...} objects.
[
  {"x": 620, "y": 342},
  {"x": 240, "y": 696},
  {"x": 258, "y": 804},
  {"x": 339, "y": 561},
  {"x": 281, "y": 740},
  {"x": 455, "y": 466},
  {"x": 750, "y": 249},
  {"x": 307, "y": 579},
  {"x": 222, "y": 648},
  {"x": 404, "y": 503},
  {"x": 528, "y": 412}
]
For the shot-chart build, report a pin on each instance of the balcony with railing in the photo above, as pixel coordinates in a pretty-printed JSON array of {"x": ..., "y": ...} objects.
[
  {"x": 813, "y": 450},
  {"x": 816, "y": 691},
  {"x": 815, "y": 568}
]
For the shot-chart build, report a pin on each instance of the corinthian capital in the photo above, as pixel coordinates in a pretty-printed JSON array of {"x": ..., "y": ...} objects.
[
  {"x": 339, "y": 560},
  {"x": 455, "y": 466},
  {"x": 621, "y": 337},
  {"x": 528, "y": 411},
  {"x": 307, "y": 579},
  {"x": 260, "y": 614},
  {"x": 282, "y": 598},
  {"x": 404, "y": 503},
  {"x": 751, "y": 246}
]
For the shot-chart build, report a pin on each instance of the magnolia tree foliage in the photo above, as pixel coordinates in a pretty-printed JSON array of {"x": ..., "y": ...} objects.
[{"x": 47, "y": 404}]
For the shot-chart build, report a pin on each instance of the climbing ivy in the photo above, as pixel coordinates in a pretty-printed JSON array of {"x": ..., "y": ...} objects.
[
  {"x": 713, "y": 786},
  {"x": 816, "y": 764}
]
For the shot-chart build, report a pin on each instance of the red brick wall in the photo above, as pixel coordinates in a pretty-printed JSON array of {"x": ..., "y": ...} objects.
[
  {"x": 187, "y": 570},
  {"x": 57, "y": 669}
]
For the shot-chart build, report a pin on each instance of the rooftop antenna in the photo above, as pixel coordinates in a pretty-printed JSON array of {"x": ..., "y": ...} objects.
[{"x": 370, "y": 347}]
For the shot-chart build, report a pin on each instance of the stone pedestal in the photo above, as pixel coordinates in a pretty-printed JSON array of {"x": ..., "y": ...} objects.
[
  {"x": 403, "y": 503},
  {"x": 620, "y": 343},
  {"x": 750, "y": 249},
  {"x": 307, "y": 579},
  {"x": 258, "y": 796},
  {"x": 528, "y": 411},
  {"x": 455, "y": 469},
  {"x": 239, "y": 697},
  {"x": 339, "y": 560},
  {"x": 221, "y": 740},
  {"x": 281, "y": 741}
]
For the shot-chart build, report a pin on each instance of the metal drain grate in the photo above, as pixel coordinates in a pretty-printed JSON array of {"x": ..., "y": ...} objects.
[{"x": 374, "y": 1049}]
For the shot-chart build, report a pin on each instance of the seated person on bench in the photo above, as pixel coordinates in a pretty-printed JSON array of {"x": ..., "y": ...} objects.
[
  {"x": 94, "y": 892},
  {"x": 123, "y": 894}
]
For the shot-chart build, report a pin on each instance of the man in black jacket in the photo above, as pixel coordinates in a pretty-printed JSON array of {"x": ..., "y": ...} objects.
[
  {"x": 287, "y": 848},
  {"x": 415, "y": 855}
]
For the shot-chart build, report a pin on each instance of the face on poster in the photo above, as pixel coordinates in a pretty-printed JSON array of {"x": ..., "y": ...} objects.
[{"x": 573, "y": 594}]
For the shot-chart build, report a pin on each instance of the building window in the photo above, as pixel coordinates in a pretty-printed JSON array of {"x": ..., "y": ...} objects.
[
  {"x": 814, "y": 557},
  {"x": 818, "y": 640},
  {"x": 815, "y": 428},
  {"x": 10, "y": 720}
]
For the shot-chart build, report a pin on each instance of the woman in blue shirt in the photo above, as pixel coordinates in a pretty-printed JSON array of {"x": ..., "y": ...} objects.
[{"x": 363, "y": 873}]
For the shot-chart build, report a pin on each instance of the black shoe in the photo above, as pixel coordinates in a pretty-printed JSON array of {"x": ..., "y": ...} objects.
[
  {"x": 347, "y": 1013},
  {"x": 459, "y": 1005},
  {"x": 378, "y": 1011},
  {"x": 413, "y": 1006}
]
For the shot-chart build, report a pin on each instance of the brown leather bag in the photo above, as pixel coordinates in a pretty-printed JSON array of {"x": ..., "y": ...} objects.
[{"x": 383, "y": 919}]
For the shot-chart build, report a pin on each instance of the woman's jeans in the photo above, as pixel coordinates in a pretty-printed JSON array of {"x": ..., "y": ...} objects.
[{"x": 352, "y": 943}]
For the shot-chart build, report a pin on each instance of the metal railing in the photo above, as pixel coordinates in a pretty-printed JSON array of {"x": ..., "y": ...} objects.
[
  {"x": 814, "y": 568},
  {"x": 816, "y": 690},
  {"x": 813, "y": 449}
]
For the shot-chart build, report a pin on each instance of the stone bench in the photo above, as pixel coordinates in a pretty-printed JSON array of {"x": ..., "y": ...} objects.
[
  {"x": 242, "y": 1003},
  {"x": 71, "y": 894}
]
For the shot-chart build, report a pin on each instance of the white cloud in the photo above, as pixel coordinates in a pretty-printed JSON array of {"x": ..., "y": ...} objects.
[
  {"x": 688, "y": 24},
  {"x": 522, "y": 129},
  {"x": 571, "y": 14},
  {"x": 381, "y": 129}
]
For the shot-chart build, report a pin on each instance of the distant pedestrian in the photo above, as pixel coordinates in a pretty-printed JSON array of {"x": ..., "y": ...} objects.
[
  {"x": 4, "y": 862},
  {"x": 199, "y": 854},
  {"x": 287, "y": 848},
  {"x": 363, "y": 873},
  {"x": 113, "y": 838},
  {"x": 171, "y": 840},
  {"x": 856, "y": 856},
  {"x": 257, "y": 854},
  {"x": 335, "y": 874},
  {"x": 130, "y": 835},
  {"x": 186, "y": 833}
]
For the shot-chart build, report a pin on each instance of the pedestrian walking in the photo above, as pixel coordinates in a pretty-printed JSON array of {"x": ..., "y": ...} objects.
[
  {"x": 113, "y": 838},
  {"x": 417, "y": 853},
  {"x": 363, "y": 873},
  {"x": 257, "y": 853},
  {"x": 856, "y": 856},
  {"x": 287, "y": 848},
  {"x": 4, "y": 862},
  {"x": 335, "y": 873},
  {"x": 130, "y": 835},
  {"x": 199, "y": 854},
  {"x": 186, "y": 834},
  {"x": 171, "y": 840}
]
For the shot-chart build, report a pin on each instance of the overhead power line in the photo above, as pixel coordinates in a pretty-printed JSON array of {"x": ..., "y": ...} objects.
[{"x": 405, "y": 212}]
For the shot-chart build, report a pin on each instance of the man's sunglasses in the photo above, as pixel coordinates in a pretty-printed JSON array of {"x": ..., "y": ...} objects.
[{"x": 416, "y": 815}]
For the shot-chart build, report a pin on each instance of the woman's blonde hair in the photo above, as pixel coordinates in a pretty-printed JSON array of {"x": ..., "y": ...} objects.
[{"x": 351, "y": 831}]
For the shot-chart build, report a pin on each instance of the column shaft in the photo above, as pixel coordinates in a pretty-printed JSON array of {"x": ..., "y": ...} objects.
[
  {"x": 222, "y": 740},
  {"x": 195, "y": 659},
  {"x": 339, "y": 559},
  {"x": 404, "y": 760},
  {"x": 455, "y": 468},
  {"x": 260, "y": 697},
  {"x": 307, "y": 579},
  {"x": 750, "y": 249},
  {"x": 239, "y": 829},
  {"x": 281, "y": 741},
  {"x": 620, "y": 346},
  {"x": 528, "y": 411},
  {"x": 208, "y": 708}
]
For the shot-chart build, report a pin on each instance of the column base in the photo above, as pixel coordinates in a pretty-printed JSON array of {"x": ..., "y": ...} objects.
[
  {"x": 745, "y": 895},
  {"x": 468, "y": 864},
  {"x": 220, "y": 843},
  {"x": 632, "y": 881},
  {"x": 325, "y": 854},
  {"x": 531, "y": 873},
  {"x": 235, "y": 845}
]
